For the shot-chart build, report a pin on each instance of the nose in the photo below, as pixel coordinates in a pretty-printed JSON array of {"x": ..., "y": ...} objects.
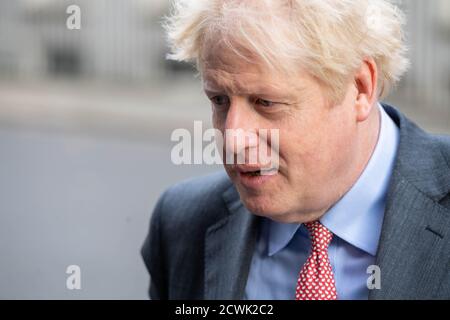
[{"x": 240, "y": 128}]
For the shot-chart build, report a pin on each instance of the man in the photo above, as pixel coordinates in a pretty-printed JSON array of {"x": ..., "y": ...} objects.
[{"x": 359, "y": 204}]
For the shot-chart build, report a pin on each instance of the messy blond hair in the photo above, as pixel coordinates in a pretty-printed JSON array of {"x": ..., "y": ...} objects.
[{"x": 328, "y": 38}]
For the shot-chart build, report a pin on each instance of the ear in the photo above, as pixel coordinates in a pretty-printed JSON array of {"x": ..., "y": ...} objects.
[{"x": 366, "y": 79}]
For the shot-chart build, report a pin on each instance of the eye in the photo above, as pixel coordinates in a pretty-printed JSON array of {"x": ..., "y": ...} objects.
[
  {"x": 220, "y": 101},
  {"x": 264, "y": 103}
]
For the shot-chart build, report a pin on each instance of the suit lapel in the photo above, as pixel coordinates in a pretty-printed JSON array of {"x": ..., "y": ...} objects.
[
  {"x": 413, "y": 252},
  {"x": 229, "y": 246}
]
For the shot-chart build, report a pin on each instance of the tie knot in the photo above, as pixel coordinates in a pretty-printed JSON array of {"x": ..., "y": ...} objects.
[{"x": 320, "y": 235}]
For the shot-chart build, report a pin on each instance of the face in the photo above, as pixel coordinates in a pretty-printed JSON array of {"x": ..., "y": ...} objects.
[{"x": 318, "y": 141}]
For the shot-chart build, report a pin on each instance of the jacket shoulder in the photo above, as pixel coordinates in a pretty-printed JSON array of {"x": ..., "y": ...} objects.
[
  {"x": 194, "y": 199},
  {"x": 176, "y": 236},
  {"x": 423, "y": 159}
]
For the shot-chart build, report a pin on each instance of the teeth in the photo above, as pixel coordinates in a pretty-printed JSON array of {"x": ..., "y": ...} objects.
[{"x": 269, "y": 171}]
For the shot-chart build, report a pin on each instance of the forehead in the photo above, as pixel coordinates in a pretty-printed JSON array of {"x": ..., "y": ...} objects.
[
  {"x": 232, "y": 69},
  {"x": 223, "y": 69},
  {"x": 241, "y": 82}
]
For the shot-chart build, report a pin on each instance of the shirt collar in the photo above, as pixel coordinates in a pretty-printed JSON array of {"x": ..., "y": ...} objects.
[{"x": 356, "y": 218}]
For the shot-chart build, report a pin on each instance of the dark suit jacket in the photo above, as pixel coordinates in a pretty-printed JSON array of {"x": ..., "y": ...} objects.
[{"x": 202, "y": 238}]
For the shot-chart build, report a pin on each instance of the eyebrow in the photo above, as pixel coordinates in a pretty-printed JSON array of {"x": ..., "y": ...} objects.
[
  {"x": 244, "y": 91},
  {"x": 256, "y": 90},
  {"x": 260, "y": 91},
  {"x": 222, "y": 80},
  {"x": 217, "y": 81},
  {"x": 261, "y": 94}
]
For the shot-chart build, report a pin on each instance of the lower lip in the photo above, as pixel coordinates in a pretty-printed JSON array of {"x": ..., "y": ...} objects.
[{"x": 255, "y": 181}]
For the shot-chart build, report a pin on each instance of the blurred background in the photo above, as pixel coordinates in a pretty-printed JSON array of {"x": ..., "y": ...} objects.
[{"x": 85, "y": 123}]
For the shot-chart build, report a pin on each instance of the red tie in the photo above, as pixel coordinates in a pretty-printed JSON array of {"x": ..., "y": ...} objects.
[{"x": 316, "y": 280}]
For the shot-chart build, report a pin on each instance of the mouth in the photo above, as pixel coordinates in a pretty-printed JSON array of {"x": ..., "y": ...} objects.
[
  {"x": 258, "y": 173},
  {"x": 255, "y": 171},
  {"x": 255, "y": 178},
  {"x": 253, "y": 174}
]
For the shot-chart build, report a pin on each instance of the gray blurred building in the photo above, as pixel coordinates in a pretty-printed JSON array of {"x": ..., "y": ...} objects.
[
  {"x": 428, "y": 34},
  {"x": 119, "y": 39},
  {"x": 123, "y": 40}
]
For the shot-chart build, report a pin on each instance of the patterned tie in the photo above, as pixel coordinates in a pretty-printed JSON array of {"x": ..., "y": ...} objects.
[{"x": 316, "y": 280}]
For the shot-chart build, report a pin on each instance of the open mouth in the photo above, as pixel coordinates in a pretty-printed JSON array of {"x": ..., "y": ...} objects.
[
  {"x": 253, "y": 173},
  {"x": 260, "y": 172}
]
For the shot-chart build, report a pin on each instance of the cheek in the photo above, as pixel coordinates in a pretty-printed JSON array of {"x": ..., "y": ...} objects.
[
  {"x": 336, "y": 144},
  {"x": 315, "y": 147},
  {"x": 299, "y": 152}
]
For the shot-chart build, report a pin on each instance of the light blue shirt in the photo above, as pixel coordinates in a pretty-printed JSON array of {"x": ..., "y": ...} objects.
[{"x": 355, "y": 221}]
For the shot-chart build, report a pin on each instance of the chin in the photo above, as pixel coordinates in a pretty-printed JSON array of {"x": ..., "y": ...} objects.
[
  {"x": 266, "y": 206},
  {"x": 273, "y": 212},
  {"x": 261, "y": 205}
]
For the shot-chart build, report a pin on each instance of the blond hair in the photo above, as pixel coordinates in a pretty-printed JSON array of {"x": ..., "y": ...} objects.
[{"x": 328, "y": 38}]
